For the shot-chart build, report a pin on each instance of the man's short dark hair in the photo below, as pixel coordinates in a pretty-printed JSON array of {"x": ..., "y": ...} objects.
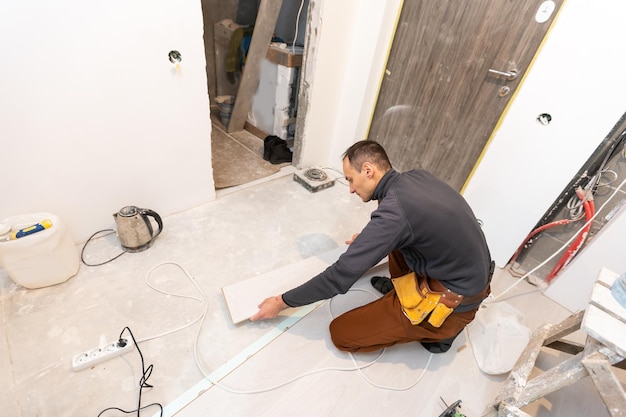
[{"x": 367, "y": 151}]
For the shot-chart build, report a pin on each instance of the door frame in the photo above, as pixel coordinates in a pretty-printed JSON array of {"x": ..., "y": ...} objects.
[{"x": 341, "y": 76}]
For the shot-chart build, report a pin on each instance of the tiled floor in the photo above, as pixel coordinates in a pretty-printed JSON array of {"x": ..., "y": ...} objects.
[
  {"x": 247, "y": 231},
  {"x": 237, "y": 158}
]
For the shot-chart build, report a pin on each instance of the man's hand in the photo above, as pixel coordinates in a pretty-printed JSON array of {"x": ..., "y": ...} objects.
[
  {"x": 349, "y": 242},
  {"x": 269, "y": 308}
]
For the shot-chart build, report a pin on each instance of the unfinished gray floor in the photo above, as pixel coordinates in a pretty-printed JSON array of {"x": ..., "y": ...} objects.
[{"x": 247, "y": 231}]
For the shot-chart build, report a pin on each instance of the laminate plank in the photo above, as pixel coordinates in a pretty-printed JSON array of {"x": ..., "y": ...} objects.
[{"x": 242, "y": 298}]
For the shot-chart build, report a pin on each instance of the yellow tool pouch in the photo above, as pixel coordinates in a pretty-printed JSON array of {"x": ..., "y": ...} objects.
[
  {"x": 439, "y": 315},
  {"x": 418, "y": 301}
]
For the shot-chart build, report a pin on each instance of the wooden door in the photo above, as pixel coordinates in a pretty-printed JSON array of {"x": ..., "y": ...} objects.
[{"x": 439, "y": 102}]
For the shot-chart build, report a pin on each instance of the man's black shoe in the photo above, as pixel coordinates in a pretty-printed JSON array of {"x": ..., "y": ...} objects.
[
  {"x": 267, "y": 146},
  {"x": 440, "y": 346},
  {"x": 280, "y": 152},
  {"x": 382, "y": 284}
]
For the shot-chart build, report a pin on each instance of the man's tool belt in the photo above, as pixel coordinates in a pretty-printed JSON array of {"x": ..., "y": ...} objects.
[{"x": 419, "y": 299}]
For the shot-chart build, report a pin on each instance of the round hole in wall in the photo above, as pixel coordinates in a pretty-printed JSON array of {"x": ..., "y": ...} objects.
[
  {"x": 544, "y": 119},
  {"x": 175, "y": 57}
]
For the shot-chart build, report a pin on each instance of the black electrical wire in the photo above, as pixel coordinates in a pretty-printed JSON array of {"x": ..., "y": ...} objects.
[
  {"x": 143, "y": 382},
  {"x": 82, "y": 252}
]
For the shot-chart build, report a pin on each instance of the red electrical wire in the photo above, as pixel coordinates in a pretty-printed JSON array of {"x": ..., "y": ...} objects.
[
  {"x": 589, "y": 207},
  {"x": 534, "y": 232}
]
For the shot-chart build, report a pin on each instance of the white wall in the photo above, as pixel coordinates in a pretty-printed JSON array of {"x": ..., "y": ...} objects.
[
  {"x": 343, "y": 70},
  {"x": 577, "y": 79},
  {"x": 94, "y": 116}
]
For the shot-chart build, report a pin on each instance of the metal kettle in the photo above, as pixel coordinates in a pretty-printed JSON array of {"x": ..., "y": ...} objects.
[{"x": 134, "y": 228}]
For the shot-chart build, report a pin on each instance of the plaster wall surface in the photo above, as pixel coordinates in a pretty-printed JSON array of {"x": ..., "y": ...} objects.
[{"x": 94, "y": 115}]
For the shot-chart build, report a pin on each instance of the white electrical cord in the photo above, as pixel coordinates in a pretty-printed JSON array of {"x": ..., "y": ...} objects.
[
  {"x": 492, "y": 298},
  {"x": 340, "y": 179},
  {"x": 203, "y": 300},
  {"x": 295, "y": 35},
  {"x": 430, "y": 356},
  {"x": 202, "y": 317}
]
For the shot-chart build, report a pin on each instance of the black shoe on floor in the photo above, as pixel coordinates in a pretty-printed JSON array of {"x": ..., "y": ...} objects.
[
  {"x": 280, "y": 152},
  {"x": 440, "y": 346},
  {"x": 382, "y": 284},
  {"x": 267, "y": 146}
]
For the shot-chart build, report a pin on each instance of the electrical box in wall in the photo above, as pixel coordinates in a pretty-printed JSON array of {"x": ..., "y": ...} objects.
[{"x": 314, "y": 179}]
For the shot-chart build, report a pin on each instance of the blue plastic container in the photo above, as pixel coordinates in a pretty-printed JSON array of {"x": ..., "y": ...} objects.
[{"x": 618, "y": 289}]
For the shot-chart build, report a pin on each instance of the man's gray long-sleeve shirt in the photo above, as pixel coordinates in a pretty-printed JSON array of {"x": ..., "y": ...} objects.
[{"x": 428, "y": 221}]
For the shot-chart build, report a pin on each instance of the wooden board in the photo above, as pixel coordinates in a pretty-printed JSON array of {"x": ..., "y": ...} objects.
[
  {"x": 243, "y": 298},
  {"x": 284, "y": 56},
  {"x": 261, "y": 37},
  {"x": 609, "y": 387}
]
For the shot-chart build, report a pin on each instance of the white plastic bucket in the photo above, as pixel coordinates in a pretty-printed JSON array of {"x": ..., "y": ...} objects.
[{"x": 47, "y": 257}]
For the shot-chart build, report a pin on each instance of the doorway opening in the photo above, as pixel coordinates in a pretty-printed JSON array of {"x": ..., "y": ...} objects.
[{"x": 239, "y": 154}]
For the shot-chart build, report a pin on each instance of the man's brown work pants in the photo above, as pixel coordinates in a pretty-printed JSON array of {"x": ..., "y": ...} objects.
[{"x": 382, "y": 323}]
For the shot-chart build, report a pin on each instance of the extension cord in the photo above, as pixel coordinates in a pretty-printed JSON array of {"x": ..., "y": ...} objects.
[{"x": 100, "y": 354}]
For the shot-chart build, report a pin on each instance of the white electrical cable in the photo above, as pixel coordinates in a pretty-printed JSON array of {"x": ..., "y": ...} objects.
[
  {"x": 340, "y": 179},
  {"x": 202, "y": 318},
  {"x": 492, "y": 298},
  {"x": 295, "y": 35},
  {"x": 203, "y": 300},
  {"x": 381, "y": 354},
  {"x": 282, "y": 384}
]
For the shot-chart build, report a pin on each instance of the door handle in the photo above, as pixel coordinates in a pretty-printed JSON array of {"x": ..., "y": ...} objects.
[{"x": 510, "y": 75}]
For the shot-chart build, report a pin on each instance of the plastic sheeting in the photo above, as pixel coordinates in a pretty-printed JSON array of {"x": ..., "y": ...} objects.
[{"x": 498, "y": 336}]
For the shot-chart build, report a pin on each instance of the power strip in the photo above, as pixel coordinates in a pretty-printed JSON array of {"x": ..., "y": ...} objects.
[{"x": 100, "y": 354}]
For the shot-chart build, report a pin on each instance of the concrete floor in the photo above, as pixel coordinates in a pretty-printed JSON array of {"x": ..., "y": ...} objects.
[{"x": 247, "y": 231}]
